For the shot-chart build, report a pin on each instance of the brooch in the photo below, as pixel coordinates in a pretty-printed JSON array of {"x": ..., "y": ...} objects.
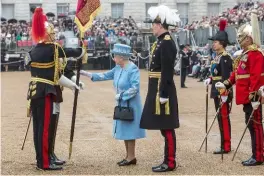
[
  {"x": 244, "y": 58},
  {"x": 215, "y": 71},
  {"x": 243, "y": 66}
]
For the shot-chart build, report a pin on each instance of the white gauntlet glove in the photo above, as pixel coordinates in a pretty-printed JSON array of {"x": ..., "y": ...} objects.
[
  {"x": 261, "y": 91},
  {"x": 81, "y": 84},
  {"x": 220, "y": 85},
  {"x": 255, "y": 104},
  {"x": 65, "y": 82},
  {"x": 85, "y": 73},
  {"x": 207, "y": 81},
  {"x": 117, "y": 97},
  {"x": 163, "y": 100}
]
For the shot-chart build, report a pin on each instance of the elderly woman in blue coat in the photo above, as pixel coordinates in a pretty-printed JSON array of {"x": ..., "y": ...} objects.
[{"x": 126, "y": 79}]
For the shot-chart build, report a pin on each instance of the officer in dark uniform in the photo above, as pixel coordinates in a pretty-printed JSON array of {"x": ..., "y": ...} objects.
[
  {"x": 221, "y": 68},
  {"x": 44, "y": 89},
  {"x": 161, "y": 106},
  {"x": 185, "y": 62}
]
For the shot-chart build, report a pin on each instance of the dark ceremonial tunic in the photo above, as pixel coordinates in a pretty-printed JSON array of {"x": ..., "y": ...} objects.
[
  {"x": 221, "y": 69},
  {"x": 43, "y": 66},
  {"x": 158, "y": 116}
]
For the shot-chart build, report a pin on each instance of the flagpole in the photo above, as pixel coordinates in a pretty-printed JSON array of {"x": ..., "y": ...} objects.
[{"x": 84, "y": 21}]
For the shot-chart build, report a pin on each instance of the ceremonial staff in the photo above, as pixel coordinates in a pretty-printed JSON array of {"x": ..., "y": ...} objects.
[
  {"x": 206, "y": 118},
  {"x": 85, "y": 14}
]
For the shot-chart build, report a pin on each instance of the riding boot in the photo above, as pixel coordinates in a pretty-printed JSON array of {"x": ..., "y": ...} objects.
[{"x": 54, "y": 158}]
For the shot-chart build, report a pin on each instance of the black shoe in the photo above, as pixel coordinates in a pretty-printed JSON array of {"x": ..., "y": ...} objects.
[
  {"x": 120, "y": 161},
  {"x": 51, "y": 167},
  {"x": 55, "y": 160},
  {"x": 251, "y": 162},
  {"x": 220, "y": 151},
  {"x": 162, "y": 168},
  {"x": 184, "y": 87},
  {"x": 127, "y": 163}
]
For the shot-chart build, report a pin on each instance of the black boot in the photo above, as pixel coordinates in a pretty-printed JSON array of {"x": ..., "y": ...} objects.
[
  {"x": 251, "y": 162},
  {"x": 53, "y": 157},
  {"x": 162, "y": 168},
  {"x": 220, "y": 151},
  {"x": 51, "y": 167}
]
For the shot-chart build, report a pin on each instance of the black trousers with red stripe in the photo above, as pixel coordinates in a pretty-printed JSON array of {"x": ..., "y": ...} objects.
[
  {"x": 224, "y": 124},
  {"x": 170, "y": 147},
  {"x": 42, "y": 109},
  {"x": 255, "y": 128}
]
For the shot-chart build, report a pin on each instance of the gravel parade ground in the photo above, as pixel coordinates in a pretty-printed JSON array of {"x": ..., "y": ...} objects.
[{"x": 94, "y": 149}]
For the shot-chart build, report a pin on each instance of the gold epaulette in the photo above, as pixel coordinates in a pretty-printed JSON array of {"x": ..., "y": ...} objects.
[
  {"x": 167, "y": 37},
  {"x": 252, "y": 47},
  {"x": 225, "y": 53}
]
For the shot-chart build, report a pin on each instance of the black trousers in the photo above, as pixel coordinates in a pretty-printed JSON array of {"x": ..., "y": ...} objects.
[
  {"x": 42, "y": 109},
  {"x": 170, "y": 147},
  {"x": 224, "y": 124},
  {"x": 183, "y": 76},
  {"x": 255, "y": 128}
]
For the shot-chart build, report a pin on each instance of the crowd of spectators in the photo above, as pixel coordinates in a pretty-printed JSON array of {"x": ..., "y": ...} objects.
[
  {"x": 237, "y": 15},
  {"x": 103, "y": 32}
]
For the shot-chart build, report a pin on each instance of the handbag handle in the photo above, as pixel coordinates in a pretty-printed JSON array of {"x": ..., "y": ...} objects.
[{"x": 120, "y": 98}]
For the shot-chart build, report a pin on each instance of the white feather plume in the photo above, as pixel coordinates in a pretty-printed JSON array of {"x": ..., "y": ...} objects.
[
  {"x": 165, "y": 14},
  {"x": 153, "y": 12}
]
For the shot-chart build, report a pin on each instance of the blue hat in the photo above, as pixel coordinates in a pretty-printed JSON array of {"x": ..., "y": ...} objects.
[{"x": 122, "y": 50}]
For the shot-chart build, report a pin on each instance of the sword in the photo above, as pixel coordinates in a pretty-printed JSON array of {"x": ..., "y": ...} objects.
[
  {"x": 206, "y": 118},
  {"x": 26, "y": 132},
  {"x": 251, "y": 116},
  {"x": 205, "y": 138}
]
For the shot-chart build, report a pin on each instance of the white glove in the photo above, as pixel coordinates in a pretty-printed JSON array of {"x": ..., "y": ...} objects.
[
  {"x": 255, "y": 104},
  {"x": 224, "y": 98},
  {"x": 85, "y": 73},
  {"x": 220, "y": 85},
  {"x": 207, "y": 81},
  {"x": 65, "y": 82},
  {"x": 163, "y": 100},
  {"x": 117, "y": 97},
  {"x": 81, "y": 84},
  {"x": 261, "y": 91}
]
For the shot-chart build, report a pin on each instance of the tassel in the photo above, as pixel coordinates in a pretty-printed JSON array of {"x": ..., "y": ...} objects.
[
  {"x": 157, "y": 105},
  {"x": 167, "y": 108},
  {"x": 28, "y": 108}
]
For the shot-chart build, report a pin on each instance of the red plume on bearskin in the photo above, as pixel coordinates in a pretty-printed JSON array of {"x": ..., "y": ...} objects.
[
  {"x": 222, "y": 24},
  {"x": 38, "y": 25}
]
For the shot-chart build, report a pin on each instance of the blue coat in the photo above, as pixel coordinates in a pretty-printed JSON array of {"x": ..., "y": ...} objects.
[{"x": 126, "y": 79}]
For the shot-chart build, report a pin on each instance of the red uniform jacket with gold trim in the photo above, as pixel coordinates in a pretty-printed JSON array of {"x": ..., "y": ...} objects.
[{"x": 248, "y": 75}]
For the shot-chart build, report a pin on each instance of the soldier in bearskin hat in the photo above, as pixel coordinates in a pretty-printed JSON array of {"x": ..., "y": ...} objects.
[{"x": 161, "y": 106}]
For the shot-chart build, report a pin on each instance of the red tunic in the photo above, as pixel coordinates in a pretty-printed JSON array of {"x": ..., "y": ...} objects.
[{"x": 248, "y": 74}]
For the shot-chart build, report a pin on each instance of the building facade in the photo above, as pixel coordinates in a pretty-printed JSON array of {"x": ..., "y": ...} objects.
[{"x": 189, "y": 10}]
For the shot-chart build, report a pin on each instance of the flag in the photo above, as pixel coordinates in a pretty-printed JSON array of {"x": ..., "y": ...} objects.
[{"x": 85, "y": 13}]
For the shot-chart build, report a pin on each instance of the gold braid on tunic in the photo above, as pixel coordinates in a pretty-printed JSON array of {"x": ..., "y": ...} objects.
[{"x": 59, "y": 67}]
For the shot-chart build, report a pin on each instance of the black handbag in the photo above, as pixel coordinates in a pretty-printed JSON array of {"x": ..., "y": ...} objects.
[{"x": 123, "y": 113}]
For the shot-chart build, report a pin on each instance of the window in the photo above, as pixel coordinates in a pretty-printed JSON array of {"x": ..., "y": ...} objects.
[
  {"x": 62, "y": 9},
  {"x": 31, "y": 7},
  {"x": 183, "y": 10},
  {"x": 213, "y": 9},
  {"x": 117, "y": 10},
  {"x": 8, "y": 11}
]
